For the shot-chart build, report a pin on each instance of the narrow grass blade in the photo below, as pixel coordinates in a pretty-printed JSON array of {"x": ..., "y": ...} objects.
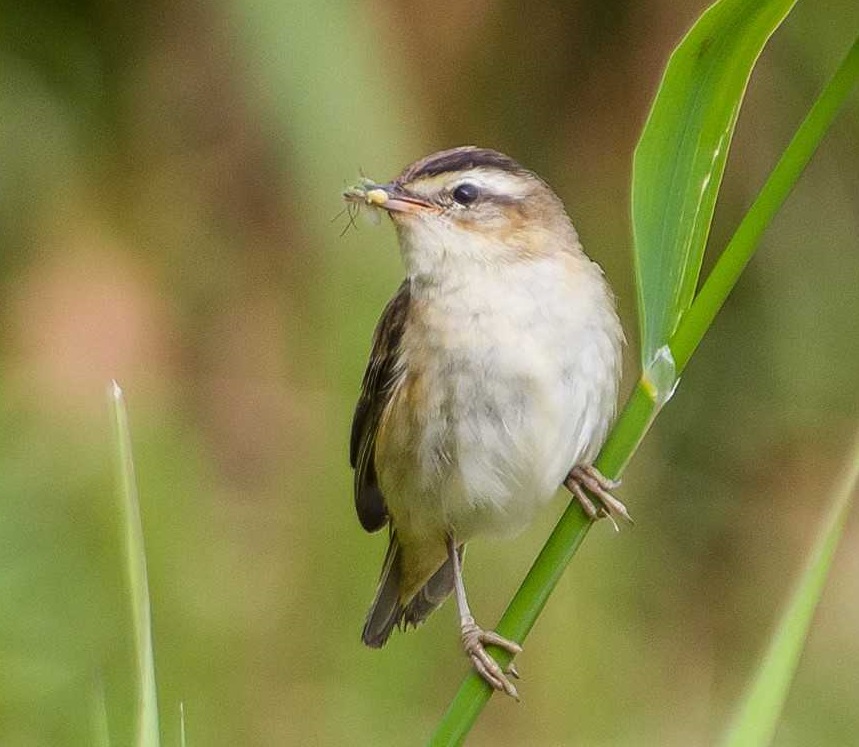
[
  {"x": 680, "y": 158},
  {"x": 146, "y": 729},
  {"x": 757, "y": 718},
  {"x": 182, "y": 740}
]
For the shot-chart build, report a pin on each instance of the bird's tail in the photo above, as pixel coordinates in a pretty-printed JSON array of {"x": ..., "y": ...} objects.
[{"x": 387, "y": 610}]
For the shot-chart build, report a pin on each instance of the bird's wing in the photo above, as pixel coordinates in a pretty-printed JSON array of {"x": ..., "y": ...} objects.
[{"x": 380, "y": 380}]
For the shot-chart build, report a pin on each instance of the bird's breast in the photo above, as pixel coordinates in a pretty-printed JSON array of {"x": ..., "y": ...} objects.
[{"x": 508, "y": 382}]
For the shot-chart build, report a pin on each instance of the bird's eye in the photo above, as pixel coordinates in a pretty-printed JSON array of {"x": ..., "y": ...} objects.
[{"x": 466, "y": 193}]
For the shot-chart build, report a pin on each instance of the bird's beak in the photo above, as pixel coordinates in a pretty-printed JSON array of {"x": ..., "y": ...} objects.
[{"x": 393, "y": 198}]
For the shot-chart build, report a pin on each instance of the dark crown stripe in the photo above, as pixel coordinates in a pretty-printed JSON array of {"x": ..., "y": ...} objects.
[{"x": 459, "y": 159}]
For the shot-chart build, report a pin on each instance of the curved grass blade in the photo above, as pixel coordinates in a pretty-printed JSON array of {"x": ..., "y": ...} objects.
[
  {"x": 680, "y": 158},
  {"x": 757, "y": 719},
  {"x": 146, "y": 728}
]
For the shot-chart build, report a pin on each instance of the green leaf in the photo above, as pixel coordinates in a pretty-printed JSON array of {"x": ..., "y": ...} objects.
[
  {"x": 758, "y": 716},
  {"x": 680, "y": 158},
  {"x": 146, "y": 729}
]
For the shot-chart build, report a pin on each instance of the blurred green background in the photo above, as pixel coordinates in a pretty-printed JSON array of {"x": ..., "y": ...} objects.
[{"x": 169, "y": 180}]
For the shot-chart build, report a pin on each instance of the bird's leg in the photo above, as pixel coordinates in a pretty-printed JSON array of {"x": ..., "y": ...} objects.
[
  {"x": 590, "y": 477},
  {"x": 474, "y": 638}
]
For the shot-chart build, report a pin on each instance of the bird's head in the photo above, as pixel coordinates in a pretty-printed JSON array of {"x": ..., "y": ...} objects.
[{"x": 471, "y": 205}]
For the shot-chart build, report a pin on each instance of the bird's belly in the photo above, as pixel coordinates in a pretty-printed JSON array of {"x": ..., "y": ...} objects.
[
  {"x": 476, "y": 444},
  {"x": 513, "y": 446}
]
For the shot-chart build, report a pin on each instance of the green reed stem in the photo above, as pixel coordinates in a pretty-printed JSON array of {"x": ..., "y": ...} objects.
[{"x": 643, "y": 405}]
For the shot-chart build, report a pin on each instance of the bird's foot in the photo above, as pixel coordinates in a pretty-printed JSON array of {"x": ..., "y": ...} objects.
[
  {"x": 600, "y": 486},
  {"x": 474, "y": 639}
]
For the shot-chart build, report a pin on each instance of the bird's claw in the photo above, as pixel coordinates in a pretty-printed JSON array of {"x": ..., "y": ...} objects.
[
  {"x": 474, "y": 640},
  {"x": 600, "y": 486}
]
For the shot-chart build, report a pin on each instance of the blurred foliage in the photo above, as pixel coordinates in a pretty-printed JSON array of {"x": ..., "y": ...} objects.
[{"x": 170, "y": 175}]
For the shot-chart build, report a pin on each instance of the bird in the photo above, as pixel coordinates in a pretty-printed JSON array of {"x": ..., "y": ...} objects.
[{"x": 492, "y": 380}]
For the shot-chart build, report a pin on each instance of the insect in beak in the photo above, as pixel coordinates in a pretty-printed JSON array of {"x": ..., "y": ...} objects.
[{"x": 391, "y": 197}]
